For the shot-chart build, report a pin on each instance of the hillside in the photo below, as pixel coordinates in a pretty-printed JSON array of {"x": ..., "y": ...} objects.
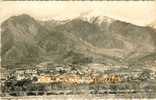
[{"x": 101, "y": 40}]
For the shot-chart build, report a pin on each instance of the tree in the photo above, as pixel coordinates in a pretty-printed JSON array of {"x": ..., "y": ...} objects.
[{"x": 145, "y": 75}]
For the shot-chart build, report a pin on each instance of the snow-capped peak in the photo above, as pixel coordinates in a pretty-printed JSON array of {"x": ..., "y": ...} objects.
[{"x": 97, "y": 19}]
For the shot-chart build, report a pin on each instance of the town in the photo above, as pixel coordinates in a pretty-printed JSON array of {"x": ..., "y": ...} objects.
[{"x": 50, "y": 79}]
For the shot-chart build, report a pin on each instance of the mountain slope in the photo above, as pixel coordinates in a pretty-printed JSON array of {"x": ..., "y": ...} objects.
[
  {"x": 101, "y": 40},
  {"x": 116, "y": 36},
  {"x": 18, "y": 43}
]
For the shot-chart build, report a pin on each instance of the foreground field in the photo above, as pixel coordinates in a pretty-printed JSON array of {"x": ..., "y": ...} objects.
[{"x": 83, "y": 97}]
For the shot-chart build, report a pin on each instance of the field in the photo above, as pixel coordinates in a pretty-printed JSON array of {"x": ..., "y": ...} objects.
[{"x": 82, "y": 97}]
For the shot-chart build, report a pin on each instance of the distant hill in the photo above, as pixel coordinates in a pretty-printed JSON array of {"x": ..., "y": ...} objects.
[{"x": 100, "y": 40}]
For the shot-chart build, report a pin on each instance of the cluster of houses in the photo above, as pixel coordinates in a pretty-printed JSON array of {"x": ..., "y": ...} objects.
[
  {"x": 73, "y": 74},
  {"x": 68, "y": 74},
  {"x": 76, "y": 79},
  {"x": 60, "y": 76}
]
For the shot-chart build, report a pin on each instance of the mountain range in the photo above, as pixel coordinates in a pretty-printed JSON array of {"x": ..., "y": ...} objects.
[{"x": 25, "y": 40}]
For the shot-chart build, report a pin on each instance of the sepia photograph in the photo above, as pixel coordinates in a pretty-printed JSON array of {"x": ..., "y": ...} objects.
[{"x": 77, "y": 50}]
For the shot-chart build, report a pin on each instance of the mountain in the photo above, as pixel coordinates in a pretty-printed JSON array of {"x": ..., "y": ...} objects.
[
  {"x": 79, "y": 40},
  {"x": 116, "y": 36},
  {"x": 18, "y": 42}
]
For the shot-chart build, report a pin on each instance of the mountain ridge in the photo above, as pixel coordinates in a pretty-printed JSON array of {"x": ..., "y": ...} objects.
[{"x": 25, "y": 39}]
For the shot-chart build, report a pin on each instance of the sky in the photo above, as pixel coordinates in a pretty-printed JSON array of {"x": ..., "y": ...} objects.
[{"x": 137, "y": 12}]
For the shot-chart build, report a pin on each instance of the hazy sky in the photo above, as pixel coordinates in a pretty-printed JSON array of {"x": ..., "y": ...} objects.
[{"x": 140, "y": 13}]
